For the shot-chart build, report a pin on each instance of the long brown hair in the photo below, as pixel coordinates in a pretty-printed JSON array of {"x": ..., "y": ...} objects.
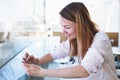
[{"x": 85, "y": 28}]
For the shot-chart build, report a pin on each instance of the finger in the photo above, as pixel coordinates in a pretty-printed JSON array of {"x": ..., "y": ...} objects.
[
  {"x": 30, "y": 58},
  {"x": 25, "y": 56}
]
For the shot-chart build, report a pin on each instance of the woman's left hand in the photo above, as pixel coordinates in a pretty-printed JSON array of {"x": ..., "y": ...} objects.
[{"x": 33, "y": 70}]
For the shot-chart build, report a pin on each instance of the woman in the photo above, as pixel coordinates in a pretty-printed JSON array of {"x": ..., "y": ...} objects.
[{"x": 85, "y": 41}]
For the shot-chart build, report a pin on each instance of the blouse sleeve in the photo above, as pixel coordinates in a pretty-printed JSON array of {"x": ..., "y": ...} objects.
[
  {"x": 61, "y": 51},
  {"x": 94, "y": 57}
]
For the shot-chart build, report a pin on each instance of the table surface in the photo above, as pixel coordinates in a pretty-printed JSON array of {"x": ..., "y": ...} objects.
[
  {"x": 11, "y": 53},
  {"x": 9, "y": 49}
]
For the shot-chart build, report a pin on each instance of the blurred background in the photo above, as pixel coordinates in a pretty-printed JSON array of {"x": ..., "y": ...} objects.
[{"x": 40, "y": 18}]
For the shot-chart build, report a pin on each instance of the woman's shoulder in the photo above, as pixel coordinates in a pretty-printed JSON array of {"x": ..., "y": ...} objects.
[{"x": 101, "y": 35}]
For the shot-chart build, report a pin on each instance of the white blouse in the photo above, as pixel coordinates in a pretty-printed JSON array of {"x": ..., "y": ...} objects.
[{"x": 98, "y": 61}]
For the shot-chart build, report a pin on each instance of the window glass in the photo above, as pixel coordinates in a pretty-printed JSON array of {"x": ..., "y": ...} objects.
[{"x": 28, "y": 16}]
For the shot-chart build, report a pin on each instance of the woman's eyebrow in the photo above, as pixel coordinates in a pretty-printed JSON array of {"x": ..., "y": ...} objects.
[{"x": 64, "y": 25}]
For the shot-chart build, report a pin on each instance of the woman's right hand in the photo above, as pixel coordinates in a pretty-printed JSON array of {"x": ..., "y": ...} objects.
[{"x": 27, "y": 58}]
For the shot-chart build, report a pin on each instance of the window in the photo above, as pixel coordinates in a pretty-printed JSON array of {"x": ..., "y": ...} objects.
[{"x": 36, "y": 16}]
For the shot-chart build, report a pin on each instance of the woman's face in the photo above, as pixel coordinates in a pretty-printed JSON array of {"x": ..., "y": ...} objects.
[{"x": 68, "y": 28}]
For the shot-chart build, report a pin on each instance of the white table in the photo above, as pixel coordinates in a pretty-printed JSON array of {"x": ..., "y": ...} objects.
[{"x": 11, "y": 66}]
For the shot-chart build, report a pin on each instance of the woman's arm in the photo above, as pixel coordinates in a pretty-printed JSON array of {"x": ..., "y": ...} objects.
[
  {"x": 60, "y": 51},
  {"x": 68, "y": 72},
  {"x": 27, "y": 58},
  {"x": 45, "y": 59}
]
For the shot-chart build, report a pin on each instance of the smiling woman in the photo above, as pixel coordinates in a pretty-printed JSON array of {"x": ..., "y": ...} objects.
[
  {"x": 84, "y": 41},
  {"x": 68, "y": 28}
]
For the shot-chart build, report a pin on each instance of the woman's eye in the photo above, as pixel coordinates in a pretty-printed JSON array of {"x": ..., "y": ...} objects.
[{"x": 67, "y": 27}]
